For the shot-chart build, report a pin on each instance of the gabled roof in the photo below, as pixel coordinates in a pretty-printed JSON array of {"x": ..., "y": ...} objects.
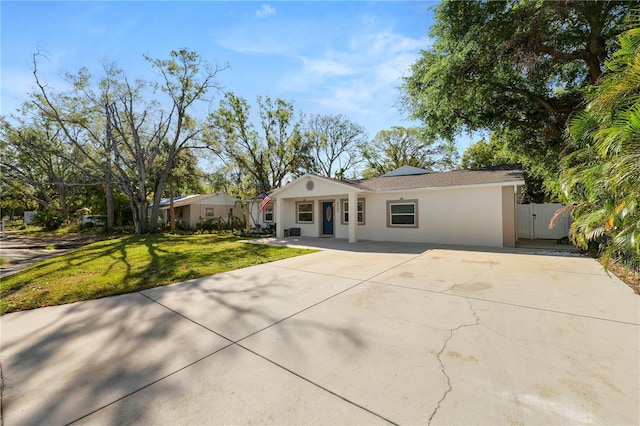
[
  {"x": 190, "y": 199},
  {"x": 184, "y": 199},
  {"x": 494, "y": 176},
  {"x": 497, "y": 175},
  {"x": 299, "y": 180}
]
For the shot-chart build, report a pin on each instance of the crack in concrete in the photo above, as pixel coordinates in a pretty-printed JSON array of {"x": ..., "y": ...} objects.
[
  {"x": 442, "y": 367},
  {"x": 453, "y": 286}
]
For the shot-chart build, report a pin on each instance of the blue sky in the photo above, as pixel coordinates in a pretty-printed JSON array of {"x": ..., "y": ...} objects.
[{"x": 331, "y": 57}]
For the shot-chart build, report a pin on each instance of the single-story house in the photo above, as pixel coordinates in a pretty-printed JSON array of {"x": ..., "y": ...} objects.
[
  {"x": 192, "y": 209},
  {"x": 462, "y": 207}
]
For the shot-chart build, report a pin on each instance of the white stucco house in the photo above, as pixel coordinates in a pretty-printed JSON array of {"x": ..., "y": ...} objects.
[
  {"x": 192, "y": 209},
  {"x": 461, "y": 207}
]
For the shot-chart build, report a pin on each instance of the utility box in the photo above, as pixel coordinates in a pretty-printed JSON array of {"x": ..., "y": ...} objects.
[{"x": 294, "y": 232}]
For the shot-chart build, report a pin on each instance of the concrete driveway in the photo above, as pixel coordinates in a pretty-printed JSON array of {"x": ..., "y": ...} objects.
[{"x": 358, "y": 334}]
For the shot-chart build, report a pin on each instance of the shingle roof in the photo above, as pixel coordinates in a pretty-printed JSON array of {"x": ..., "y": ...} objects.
[{"x": 443, "y": 179}]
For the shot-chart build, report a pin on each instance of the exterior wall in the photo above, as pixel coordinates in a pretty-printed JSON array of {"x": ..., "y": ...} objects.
[
  {"x": 464, "y": 216},
  {"x": 183, "y": 213},
  {"x": 471, "y": 215},
  {"x": 316, "y": 190},
  {"x": 467, "y": 216},
  {"x": 319, "y": 188},
  {"x": 460, "y": 216},
  {"x": 312, "y": 229},
  {"x": 342, "y": 230},
  {"x": 195, "y": 212},
  {"x": 509, "y": 226}
]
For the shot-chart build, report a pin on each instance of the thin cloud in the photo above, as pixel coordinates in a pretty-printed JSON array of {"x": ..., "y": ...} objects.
[
  {"x": 325, "y": 67},
  {"x": 361, "y": 75},
  {"x": 265, "y": 11}
]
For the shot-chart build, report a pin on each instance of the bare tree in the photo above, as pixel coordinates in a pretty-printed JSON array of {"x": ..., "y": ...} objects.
[
  {"x": 124, "y": 134},
  {"x": 335, "y": 141},
  {"x": 265, "y": 158}
]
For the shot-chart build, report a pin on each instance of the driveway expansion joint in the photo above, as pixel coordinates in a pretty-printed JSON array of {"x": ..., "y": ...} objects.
[
  {"x": 321, "y": 387},
  {"x": 442, "y": 366}
]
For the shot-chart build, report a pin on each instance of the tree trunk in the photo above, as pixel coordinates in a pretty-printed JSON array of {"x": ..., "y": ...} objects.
[
  {"x": 157, "y": 191},
  {"x": 172, "y": 211},
  {"x": 139, "y": 210},
  {"x": 155, "y": 212},
  {"x": 108, "y": 188}
]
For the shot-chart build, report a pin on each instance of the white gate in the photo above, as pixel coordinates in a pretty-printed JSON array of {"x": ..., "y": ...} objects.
[{"x": 534, "y": 219}]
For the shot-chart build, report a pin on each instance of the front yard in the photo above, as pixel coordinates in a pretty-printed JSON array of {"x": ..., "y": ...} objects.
[{"x": 128, "y": 264}]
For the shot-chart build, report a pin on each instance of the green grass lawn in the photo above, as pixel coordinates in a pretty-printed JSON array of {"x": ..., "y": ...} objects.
[{"x": 128, "y": 264}]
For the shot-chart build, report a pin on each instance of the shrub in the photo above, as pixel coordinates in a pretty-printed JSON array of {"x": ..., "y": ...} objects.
[{"x": 48, "y": 219}]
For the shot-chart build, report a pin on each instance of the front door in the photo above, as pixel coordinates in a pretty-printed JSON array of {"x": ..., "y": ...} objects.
[{"x": 327, "y": 218}]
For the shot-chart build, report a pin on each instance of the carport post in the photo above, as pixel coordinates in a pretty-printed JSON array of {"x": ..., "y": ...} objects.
[
  {"x": 279, "y": 222},
  {"x": 353, "y": 216}
]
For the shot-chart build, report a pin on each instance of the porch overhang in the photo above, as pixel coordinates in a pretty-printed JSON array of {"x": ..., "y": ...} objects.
[{"x": 315, "y": 187}]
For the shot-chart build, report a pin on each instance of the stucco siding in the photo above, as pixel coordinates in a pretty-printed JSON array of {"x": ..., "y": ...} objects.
[
  {"x": 509, "y": 217},
  {"x": 375, "y": 227},
  {"x": 466, "y": 216},
  {"x": 193, "y": 209},
  {"x": 463, "y": 216},
  {"x": 480, "y": 214},
  {"x": 310, "y": 187},
  {"x": 198, "y": 212}
]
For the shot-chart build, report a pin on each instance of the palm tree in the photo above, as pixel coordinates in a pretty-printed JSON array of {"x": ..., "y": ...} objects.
[{"x": 602, "y": 175}]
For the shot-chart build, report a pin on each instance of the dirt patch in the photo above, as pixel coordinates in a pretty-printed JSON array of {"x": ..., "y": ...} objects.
[{"x": 630, "y": 278}]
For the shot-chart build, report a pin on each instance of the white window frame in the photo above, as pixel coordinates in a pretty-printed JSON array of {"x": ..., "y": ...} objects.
[
  {"x": 298, "y": 212},
  {"x": 390, "y": 215},
  {"x": 268, "y": 210},
  {"x": 345, "y": 211},
  {"x": 206, "y": 212}
]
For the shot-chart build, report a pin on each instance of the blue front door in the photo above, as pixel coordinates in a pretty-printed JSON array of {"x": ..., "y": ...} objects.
[{"x": 327, "y": 218}]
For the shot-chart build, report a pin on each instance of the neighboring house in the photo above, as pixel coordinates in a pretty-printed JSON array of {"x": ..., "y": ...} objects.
[
  {"x": 465, "y": 207},
  {"x": 197, "y": 208}
]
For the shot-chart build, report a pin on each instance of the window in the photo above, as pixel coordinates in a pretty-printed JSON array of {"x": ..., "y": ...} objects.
[
  {"x": 208, "y": 211},
  {"x": 267, "y": 213},
  {"x": 304, "y": 212},
  {"x": 345, "y": 211},
  {"x": 402, "y": 213}
]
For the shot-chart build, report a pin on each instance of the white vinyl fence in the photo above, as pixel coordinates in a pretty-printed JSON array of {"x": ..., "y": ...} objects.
[{"x": 534, "y": 219}]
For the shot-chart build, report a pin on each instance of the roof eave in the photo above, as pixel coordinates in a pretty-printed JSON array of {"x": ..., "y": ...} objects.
[
  {"x": 435, "y": 188},
  {"x": 345, "y": 184}
]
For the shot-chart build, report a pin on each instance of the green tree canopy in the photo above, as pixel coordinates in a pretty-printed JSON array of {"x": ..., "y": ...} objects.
[
  {"x": 401, "y": 146},
  {"x": 482, "y": 154},
  {"x": 519, "y": 69},
  {"x": 37, "y": 160}
]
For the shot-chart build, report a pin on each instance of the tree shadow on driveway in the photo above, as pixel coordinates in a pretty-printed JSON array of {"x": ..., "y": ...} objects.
[{"x": 62, "y": 363}]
